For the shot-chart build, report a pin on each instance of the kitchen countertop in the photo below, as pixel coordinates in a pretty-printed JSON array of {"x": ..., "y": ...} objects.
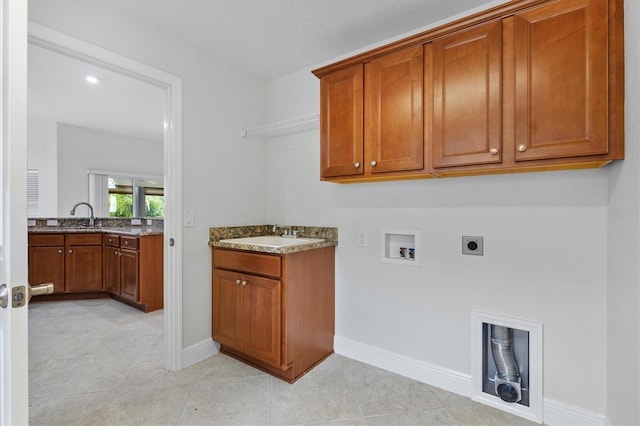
[
  {"x": 328, "y": 234},
  {"x": 135, "y": 231}
]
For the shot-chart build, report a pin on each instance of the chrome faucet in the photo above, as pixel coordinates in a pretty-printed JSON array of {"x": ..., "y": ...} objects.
[
  {"x": 91, "y": 218},
  {"x": 286, "y": 231}
]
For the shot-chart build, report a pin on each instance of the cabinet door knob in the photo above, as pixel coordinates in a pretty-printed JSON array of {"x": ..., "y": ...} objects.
[
  {"x": 244, "y": 283},
  {"x": 522, "y": 148},
  {"x": 493, "y": 151},
  {"x": 373, "y": 163},
  {"x": 70, "y": 251},
  {"x": 60, "y": 251},
  {"x": 356, "y": 165},
  {"x": 238, "y": 282},
  {"x": 126, "y": 242}
]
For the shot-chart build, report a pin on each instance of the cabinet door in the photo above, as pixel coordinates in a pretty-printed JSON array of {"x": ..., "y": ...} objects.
[
  {"x": 560, "y": 51},
  {"x": 226, "y": 306},
  {"x": 262, "y": 318},
  {"x": 393, "y": 112},
  {"x": 46, "y": 265},
  {"x": 129, "y": 278},
  {"x": 111, "y": 269},
  {"x": 465, "y": 121},
  {"x": 341, "y": 142},
  {"x": 83, "y": 268}
]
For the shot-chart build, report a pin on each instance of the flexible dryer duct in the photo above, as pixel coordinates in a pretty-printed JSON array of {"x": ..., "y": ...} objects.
[{"x": 507, "y": 379}]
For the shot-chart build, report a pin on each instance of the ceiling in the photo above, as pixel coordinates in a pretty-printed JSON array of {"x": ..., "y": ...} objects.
[{"x": 269, "y": 38}]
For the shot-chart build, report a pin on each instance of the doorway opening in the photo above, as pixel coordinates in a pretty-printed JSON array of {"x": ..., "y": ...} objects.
[{"x": 171, "y": 86}]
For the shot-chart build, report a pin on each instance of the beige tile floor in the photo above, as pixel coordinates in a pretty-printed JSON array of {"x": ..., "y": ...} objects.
[{"x": 99, "y": 362}]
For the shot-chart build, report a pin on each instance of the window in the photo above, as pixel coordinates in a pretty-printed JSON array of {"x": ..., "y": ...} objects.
[{"x": 131, "y": 197}]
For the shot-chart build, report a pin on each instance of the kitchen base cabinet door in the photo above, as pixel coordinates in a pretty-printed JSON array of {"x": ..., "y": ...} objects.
[
  {"x": 83, "y": 268},
  {"x": 129, "y": 279},
  {"x": 46, "y": 265},
  {"x": 111, "y": 269}
]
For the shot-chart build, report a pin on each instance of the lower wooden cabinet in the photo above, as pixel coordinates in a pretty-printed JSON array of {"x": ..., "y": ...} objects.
[
  {"x": 247, "y": 317},
  {"x": 46, "y": 260},
  {"x": 72, "y": 262},
  {"x": 127, "y": 267},
  {"x": 133, "y": 269},
  {"x": 83, "y": 262},
  {"x": 275, "y": 312}
]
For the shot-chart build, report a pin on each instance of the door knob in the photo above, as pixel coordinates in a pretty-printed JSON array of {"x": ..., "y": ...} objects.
[{"x": 18, "y": 294}]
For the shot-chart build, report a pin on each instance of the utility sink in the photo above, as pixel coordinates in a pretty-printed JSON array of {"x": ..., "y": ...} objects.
[{"x": 272, "y": 241}]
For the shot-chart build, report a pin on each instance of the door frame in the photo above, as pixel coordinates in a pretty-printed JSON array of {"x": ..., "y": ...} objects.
[{"x": 48, "y": 38}]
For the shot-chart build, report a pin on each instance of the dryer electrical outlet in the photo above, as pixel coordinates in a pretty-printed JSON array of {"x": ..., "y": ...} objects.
[{"x": 472, "y": 245}]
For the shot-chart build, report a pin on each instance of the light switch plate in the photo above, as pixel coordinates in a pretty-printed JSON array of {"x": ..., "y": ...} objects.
[
  {"x": 188, "y": 219},
  {"x": 363, "y": 239},
  {"x": 473, "y": 246}
]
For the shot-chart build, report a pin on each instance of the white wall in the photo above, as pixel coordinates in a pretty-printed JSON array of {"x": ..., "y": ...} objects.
[
  {"x": 623, "y": 292},
  {"x": 42, "y": 154},
  {"x": 81, "y": 149},
  {"x": 223, "y": 175},
  {"x": 545, "y": 237}
]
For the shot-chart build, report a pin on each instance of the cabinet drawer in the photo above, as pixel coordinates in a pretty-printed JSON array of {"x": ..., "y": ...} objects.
[
  {"x": 84, "y": 239},
  {"x": 129, "y": 242},
  {"x": 111, "y": 240},
  {"x": 46, "y": 240},
  {"x": 255, "y": 263}
]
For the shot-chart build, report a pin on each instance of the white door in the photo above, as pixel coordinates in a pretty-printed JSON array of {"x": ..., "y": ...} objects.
[{"x": 14, "y": 393}]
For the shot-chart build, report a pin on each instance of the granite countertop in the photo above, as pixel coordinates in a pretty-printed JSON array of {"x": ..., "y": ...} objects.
[
  {"x": 328, "y": 234},
  {"x": 122, "y": 226},
  {"x": 141, "y": 231}
]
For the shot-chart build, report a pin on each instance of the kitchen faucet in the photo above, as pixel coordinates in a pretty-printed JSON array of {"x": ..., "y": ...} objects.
[{"x": 91, "y": 218}]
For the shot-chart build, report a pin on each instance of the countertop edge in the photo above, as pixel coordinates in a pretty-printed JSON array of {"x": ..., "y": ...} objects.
[{"x": 274, "y": 250}]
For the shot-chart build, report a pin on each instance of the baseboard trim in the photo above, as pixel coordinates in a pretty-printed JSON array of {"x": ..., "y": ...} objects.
[
  {"x": 199, "y": 351},
  {"x": 559, "y": 413},
  {"x": 421, "y": 371},
  {"x": 554, "y": 412}
]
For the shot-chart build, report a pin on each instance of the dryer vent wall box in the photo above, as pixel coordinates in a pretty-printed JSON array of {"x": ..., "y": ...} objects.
[{"x": 400, "y": 246}]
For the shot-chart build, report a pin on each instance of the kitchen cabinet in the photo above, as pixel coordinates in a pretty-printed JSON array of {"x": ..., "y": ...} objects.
[
  {"x": 274, "y": 311},
  {"x": 133, "y": 269},
  {"x": 393, "y": 112},
  {"x": 560, "y": 80},
  {"x": 524, "y": 86},
  {"x": 465, "y": 116},
  {"x": 111, "y": 263},
  {"x": 341, "y": 118},
  {"x": 372, "y": 119},
  {"x": 83, "y": 262},
  {"x": 46, "y": 260}
]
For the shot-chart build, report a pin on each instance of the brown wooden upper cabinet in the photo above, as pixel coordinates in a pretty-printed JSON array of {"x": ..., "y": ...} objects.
[
  {"x": 372, "y": 118},
  {"x": 393, "y": 112},
  {"x": 465, "y": 126},
  {"x": 341, "y": 151},
  {"x": 560, "y": 57},
  {"x": 528, "y": 85}
]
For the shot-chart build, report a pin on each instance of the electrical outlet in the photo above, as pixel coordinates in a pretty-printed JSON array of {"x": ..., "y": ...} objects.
[
  {"x": 472, "y": 245},
  {"x": 363, "y": 239}
]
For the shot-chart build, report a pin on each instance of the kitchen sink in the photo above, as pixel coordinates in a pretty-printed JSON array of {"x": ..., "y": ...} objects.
[{"x": 272, "y": 241}]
